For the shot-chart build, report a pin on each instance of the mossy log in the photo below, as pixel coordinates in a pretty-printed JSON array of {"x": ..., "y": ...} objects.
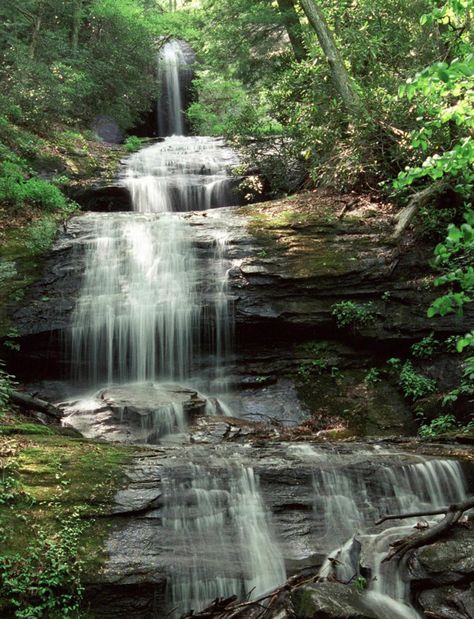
[{"x": 29, "y": 402}]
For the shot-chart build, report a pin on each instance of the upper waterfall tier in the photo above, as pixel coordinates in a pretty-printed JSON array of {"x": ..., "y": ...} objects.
[
  {"x": 181, "y": 174},
  {"x": 174, "y": 75}
]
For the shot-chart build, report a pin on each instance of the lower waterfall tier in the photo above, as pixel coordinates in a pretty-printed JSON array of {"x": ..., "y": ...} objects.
[{"x": 213, "y": 521}]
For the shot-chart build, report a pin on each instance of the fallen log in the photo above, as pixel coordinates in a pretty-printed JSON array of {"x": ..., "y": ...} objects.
[
  {"x": 29, "y": 402},
  {"x": 452, "y": 513},
  {"x": 265, "y": 607},
  {"x": 417, "y": 201}
]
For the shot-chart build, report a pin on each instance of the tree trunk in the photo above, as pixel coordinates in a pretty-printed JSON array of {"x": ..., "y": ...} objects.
[
  {"x": 76, "y": 25},
  {"x": 29, "y": 402},
  {"x": 326, "y": 39},
  {"x": 36, "y": 31},
  {"x": 293, "y": 27},
  {"x": 417, "y": 201}
]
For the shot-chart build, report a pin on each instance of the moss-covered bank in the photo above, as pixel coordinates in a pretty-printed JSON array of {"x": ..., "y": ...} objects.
[{"x": 54, "y": 488}]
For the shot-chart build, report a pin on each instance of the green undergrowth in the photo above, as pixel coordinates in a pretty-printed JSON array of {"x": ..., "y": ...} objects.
[{"x": 54, "y": 492}]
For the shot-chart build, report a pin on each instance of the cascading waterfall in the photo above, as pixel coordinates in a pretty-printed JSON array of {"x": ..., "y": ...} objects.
[
  {"x": 346, "y": 505},
  {"x": 139, "y": 306},
  {"x": 181, "y": 174},
  {"x": 143, "y": 314},
  {"x": 221, "y": 522},
  {"x": 173, "y": 75},
  {"x": 152, "y": 308}
]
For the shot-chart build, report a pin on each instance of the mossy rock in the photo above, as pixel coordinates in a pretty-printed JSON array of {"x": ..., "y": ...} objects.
[{"x": 47, "y": 476}]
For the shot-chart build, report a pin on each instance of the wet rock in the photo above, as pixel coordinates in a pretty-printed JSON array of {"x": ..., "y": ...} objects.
[
  {"x": 450, "y": 602},
  {"x": 277, "y": 275},
  {"x": 135, "y": 413},
  {"x": 330, "y": 600},
  {"x": 448, "y": 560},
  {"x": 443, "y": 576}
]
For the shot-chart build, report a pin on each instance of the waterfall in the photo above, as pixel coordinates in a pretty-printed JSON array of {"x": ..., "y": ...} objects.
[
  {"x": 346, "y": 505},
  {"x": 149, "y": 306},
  {"x": 181, "y": 174},
  {"x": 219, "y": 520},
  {"x": 154, "y": 308},
  {"x": 174, "y": 77}
]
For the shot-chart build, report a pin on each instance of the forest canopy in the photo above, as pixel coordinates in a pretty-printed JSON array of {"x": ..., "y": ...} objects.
[{"x": 263, "y": 70}]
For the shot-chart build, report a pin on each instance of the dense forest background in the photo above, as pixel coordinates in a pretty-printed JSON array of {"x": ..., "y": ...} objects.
[
  {"x": 365, "y": 95},
  {"x": 263, "y": 71}
]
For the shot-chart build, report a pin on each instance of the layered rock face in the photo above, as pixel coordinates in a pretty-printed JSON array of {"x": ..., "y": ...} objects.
[
  {"x": 286, "y": 268},
  {"x": 174, "y": 534},
  {"x": 287, "y": 264}
]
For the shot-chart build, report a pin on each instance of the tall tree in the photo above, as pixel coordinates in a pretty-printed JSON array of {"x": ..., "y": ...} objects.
[
  {"x": 292, "y": 25},
  {"x": 340, "y": 76},
  {"x": 76, "y": 24},
  {"x": 38, "y": 21}
]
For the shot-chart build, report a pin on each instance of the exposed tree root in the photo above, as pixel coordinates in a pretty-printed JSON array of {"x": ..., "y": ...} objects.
[{"x": 453, "y": 513}]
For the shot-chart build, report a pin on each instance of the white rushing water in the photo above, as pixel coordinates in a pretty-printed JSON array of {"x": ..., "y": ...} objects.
[
  {"x": 154, "y": 307},
  {"x": 148, "y": 305},
  {"x": 348, "y": 506},
  {"x": 223, "y": 526},
  {"x": 173, "y": 74},
  {"x": 181, "y": 174}
]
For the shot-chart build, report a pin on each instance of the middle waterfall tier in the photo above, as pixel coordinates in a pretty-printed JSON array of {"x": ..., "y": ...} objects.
[
  {"x": 151, "y": 302},
  {"x": 181, "y": 174},
  {"x": 150, "y": 305}
]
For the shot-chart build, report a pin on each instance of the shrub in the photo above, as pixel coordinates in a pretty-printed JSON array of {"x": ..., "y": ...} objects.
[
  {"x": 425, "y": 348},
  {"x": 43, "y": 195},
  {"x": 16, "y": 191},
  {"x": 44, "y": 581},
  {"x": 41, "y": 235},
  {"x": 413, "y": 384},
  {"x": 439, "y": 425},
  {"x": 132, "y": 144},
  {"x": 373, "y": 376},
  {"x": 349, "y": 313},
  {"x": 315, "y": 367},
  {"x": 6, "y": 387}
]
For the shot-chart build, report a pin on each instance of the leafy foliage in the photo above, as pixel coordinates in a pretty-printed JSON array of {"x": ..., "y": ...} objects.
[
  {"x": 454, "y": 257},
  {"x": 133, "y": 143},
  {"x": 349, "y": 313},
  {"x": 6, "y": 387},
  {"x": 47, "y": 78},
  {"x": 425, "y": 348},
  {"x": 44, "y": 581},
  {"x": 439, "y": 425},
  {"x": 373, "y": 376},
  {"x": 413, "y": 384}
]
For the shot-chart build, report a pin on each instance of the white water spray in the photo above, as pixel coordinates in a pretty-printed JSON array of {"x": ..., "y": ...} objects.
[
  {"x": 222, "y": 524},
  {"x": 346, "y": 505},
  {"x": 172, "y": 69}
]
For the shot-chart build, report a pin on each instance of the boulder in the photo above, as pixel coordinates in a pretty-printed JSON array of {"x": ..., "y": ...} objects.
[
  {"x": 330, "y": 600},
  {"x": 136, "y": 413}
]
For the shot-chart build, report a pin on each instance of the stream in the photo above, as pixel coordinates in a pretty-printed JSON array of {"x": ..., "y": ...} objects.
[{"x": 151, "y": 346}]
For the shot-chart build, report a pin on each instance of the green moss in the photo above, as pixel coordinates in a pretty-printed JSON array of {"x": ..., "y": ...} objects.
[
  {"x": 26, "y": 428},
  {"x": 26, "y": 267},
  {"x": 49, "y": 476},
  {"x": 303, "y": 239},
  {"x": 303, "y": 603}
]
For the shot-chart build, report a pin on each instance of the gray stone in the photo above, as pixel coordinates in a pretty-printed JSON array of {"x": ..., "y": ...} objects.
[
  {"x": 448, "y": 560},
  {"x": 136, "y": 413},
  {"x": 330, "y": 600},
  {"x": 449, "y": 602}
]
